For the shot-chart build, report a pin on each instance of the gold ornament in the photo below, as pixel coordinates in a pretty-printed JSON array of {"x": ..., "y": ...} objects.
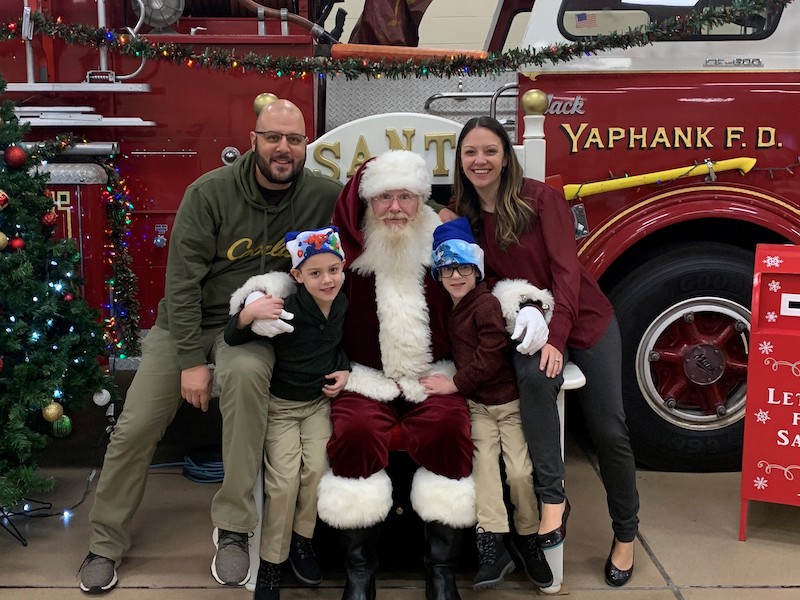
[
  {"x": 52, "y": 412},
  {"x": 534, "y": 102},
  {"x": 263, "y": 100},
  {"x": 3, "y": 241}
]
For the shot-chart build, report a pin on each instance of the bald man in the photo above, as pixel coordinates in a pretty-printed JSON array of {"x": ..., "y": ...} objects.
[{"x": 230, "y": 225}]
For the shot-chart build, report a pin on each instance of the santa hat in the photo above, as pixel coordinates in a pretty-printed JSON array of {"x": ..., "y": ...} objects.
[
  {"x": 396, "y": 170},
  {"x": 454, "y": 244},
  {"x": 304, "y": 244}
]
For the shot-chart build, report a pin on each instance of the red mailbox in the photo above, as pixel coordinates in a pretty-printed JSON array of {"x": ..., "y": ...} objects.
[{"x": 771, "y": 457}]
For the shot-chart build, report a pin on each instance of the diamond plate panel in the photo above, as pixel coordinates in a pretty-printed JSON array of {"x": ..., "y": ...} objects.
[
  {"x": 363, "y": 97},
  {"x": 74, "y": 173}
]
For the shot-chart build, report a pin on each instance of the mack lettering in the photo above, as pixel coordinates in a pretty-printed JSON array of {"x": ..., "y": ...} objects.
[{"x": 564, "y": 105}]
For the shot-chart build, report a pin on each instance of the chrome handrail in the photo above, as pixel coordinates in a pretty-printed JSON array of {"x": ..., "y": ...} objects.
[{"x": 464, "y": 96}]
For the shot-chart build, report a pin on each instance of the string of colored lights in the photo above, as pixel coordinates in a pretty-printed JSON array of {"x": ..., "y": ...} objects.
[{"x": 121, "y": 323}]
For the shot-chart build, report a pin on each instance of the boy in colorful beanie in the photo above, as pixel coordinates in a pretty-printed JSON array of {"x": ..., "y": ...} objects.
[
  {"x": 310, "y": 367},
  {"x": 484, "y": 374}
]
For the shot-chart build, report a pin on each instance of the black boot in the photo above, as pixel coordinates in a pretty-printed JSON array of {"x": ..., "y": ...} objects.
[
  {"x": 268, "y": 582},
  {"x": 533, "y": 560},
  {"x": 444, "y": 544},
  {"x": 360, "y": 562},
  {"x": 494, "y": 561}
]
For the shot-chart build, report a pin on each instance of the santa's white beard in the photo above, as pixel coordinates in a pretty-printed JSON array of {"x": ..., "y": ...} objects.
[{"x": 398, "y": 249}]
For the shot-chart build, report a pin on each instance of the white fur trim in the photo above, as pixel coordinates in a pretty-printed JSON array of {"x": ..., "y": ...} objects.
[
  {"x": 513, "y": 292},
  {"x": 354, "y": 502},
  {"x": 276, "y": 283},
  {"x": 400, "y": 266},
  {"x": 371, "y": 383},
  {"x": 413, "y": 390},
  {"x": 396, "y": 170},
  {"x": 443, "y": 367},
  {"x": 438, "y": 498}
]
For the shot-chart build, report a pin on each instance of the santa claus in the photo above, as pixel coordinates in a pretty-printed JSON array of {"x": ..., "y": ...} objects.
[{"x": 395, "y": 333}]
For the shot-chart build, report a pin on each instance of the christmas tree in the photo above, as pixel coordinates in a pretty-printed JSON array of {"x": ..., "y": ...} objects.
[{"x": 50, "y": 339}]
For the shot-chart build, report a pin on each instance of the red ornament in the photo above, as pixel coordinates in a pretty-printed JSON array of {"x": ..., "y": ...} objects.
[
  {"x": 49, "y": 219},
  {"x": 16, "y": 243},
  {"x": 4, "y": 199},
  {"x": 68, "y": 297},
  {"x": 2, "y": 364},
  {"x": 15, "y": 157}
]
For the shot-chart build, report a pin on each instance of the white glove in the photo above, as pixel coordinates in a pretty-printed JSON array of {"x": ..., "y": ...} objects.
[
  {"x": 269, "y": 327},
  {"x": 530, "y": 321}
]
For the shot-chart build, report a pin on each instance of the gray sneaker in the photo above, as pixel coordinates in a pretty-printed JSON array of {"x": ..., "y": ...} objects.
[
  {"x": 98, "y": 574},
  {"x": 231, "y": 564}
]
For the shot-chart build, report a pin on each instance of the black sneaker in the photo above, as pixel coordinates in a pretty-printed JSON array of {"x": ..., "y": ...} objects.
[
  {"x": 268, "y": 582},
  {"x": 98, "y": 574},
  {"x": 231, "y": 564},
  {"x": 304, "y": 561},
  {"x": 494, "y": 560},
  {"x": 531, "y": 555}
]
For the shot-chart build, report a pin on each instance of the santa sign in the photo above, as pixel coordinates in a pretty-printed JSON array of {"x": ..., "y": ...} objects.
[{"x": 771, "y": 458}]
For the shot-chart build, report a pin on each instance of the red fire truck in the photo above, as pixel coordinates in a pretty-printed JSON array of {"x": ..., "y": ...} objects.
[{"x": 677, "y": 158}]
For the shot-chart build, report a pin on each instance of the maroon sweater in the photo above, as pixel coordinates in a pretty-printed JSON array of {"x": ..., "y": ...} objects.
[
  {"x": 481, "y": 349},
  {"x": 546, "y": 257}
]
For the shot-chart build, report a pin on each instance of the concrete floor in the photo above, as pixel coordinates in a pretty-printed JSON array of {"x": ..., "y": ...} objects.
[{"x": 688, "y": 546}]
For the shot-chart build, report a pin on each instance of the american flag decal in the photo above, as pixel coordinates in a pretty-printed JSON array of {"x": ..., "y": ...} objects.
[{"x": 585, "y": 21}]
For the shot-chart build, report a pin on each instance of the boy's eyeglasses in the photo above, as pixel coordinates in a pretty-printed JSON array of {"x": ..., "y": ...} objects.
[
  {"x": 274, "y": 138},
  {"x": 463, "y": 270},
  {"x": 405, "y": 199}
]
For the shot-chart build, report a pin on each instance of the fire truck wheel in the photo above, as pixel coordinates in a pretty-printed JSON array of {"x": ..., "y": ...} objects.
[{"x": 685, "y": 320}]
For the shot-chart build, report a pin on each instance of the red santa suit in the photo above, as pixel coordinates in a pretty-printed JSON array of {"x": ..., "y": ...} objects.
[{"x": 395, "y": 333}]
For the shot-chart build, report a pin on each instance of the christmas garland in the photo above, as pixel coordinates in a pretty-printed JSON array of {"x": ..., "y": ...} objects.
[
  {"x": 122, "y": 324},
  {"x": 294, "y": 67}
]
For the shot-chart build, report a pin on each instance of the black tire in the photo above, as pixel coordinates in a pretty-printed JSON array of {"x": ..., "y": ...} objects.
[{"x": 655, "y": 304}]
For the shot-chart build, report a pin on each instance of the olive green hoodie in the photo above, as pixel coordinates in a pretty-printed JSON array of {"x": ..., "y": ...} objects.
[{"x": 224, "y": 233}]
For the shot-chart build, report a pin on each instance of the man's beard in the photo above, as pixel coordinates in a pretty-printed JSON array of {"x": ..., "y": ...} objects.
[
  {"x": 277, "y": 177},
  {"x": 398, "y": 248}
]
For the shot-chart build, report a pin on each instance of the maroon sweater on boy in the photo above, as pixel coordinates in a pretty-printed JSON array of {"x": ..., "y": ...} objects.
[{"x": 481, "y": 349}]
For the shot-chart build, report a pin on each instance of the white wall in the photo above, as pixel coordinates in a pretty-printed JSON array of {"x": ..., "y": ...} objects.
[{"x": 461, "y": 24}]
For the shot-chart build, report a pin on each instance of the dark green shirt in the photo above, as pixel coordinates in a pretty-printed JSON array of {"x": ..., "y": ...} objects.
[{"x": 305, "y": 356}]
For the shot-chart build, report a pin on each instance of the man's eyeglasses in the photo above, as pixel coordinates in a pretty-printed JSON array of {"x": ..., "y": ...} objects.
[
  {"x": 405, "y": 199},
  {"x": 273, "y": 137},
  {"x": 463, "y": 270}
]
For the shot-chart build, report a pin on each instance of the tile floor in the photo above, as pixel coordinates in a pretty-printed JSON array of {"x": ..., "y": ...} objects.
[{"x": 688, "y": 546}]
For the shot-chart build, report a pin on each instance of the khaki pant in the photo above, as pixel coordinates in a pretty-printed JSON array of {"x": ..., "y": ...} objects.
[
  {"x": 243, "y": 373},
  {"x": 295, "y": 460},
  {"x": 497, "y": 430}
]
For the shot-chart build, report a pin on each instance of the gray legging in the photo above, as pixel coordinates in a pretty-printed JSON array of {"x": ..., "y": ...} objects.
[{"x": 601, "y": 402}]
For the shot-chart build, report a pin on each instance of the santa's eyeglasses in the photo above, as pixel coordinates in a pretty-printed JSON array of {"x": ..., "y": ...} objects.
[{"x": 405, "y": 199}]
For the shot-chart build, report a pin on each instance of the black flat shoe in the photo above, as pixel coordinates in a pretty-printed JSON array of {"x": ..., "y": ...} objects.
[
  {"x": 556, "y": 537},
  {"x": 616, "y": 577}
]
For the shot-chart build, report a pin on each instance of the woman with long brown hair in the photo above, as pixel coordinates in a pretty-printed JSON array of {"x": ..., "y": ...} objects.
[{"x": 526, "y": 230}]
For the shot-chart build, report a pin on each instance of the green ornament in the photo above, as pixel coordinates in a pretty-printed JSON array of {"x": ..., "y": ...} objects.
[{"x": 62, "y": 427}]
